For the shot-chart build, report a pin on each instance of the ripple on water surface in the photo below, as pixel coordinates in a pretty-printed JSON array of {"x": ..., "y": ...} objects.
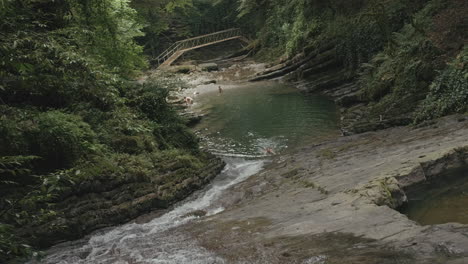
[
  {"x": 241, "y": 123},
  {"x": 249, "y": 119}
]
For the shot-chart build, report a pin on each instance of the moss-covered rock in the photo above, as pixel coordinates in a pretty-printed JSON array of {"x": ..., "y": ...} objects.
[
  {"x": 118, "y": 190},
  {"x": 86, "y": 168},
  {"x": 209, "y": 67}
]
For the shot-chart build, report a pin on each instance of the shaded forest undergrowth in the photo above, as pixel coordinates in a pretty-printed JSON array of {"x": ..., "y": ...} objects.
[
  {"x": 82, "y": 146},
  {"x": 387, "y": 63}
]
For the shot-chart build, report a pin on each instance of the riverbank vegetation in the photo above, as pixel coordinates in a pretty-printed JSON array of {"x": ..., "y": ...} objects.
[
  {"x": 167, "y": 21},
  {"x": 82, "y": 146},
  {"x": 409, "y": 58}
]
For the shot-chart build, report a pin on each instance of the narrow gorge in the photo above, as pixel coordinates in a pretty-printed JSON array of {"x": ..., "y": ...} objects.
[{"x": 315, "y": 132}]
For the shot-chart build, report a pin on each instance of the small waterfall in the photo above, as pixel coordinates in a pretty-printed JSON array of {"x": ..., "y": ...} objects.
[
  {"x": 156, "y": 241},
  {"x": 240, "y": 126}
]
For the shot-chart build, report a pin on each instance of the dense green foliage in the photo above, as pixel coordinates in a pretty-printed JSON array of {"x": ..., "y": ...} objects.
[
  {"x": 395, "y": 48},
  {"x": 399, "y": 49},
  {"x": 449, "y": 91},
  {"x": 358, "y": 28},
  {"x": 400, "y": 74},
  {"x": 167, "y": 21},
  {"x": 415, "y": 67},
  {"x": 69, "y": 113}
]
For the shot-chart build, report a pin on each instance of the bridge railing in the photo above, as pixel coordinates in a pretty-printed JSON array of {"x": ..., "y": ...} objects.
[{"x": 196, "y": 41}]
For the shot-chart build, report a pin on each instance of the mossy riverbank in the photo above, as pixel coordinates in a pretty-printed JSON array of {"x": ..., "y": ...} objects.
[
  {"x": 386, "y": 64},
  {"x": 67, "y": 172},
  {"x": 82, "y": 145}
]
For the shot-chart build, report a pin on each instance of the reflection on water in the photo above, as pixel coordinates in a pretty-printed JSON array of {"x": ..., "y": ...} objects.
[
  {"x": 249, "y": 120},
  {"x": 442, "y": 201},
  {"x": 241, "y": 123}
]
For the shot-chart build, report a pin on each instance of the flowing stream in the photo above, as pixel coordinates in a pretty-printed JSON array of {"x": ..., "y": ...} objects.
[{"x": 241, "y": 124}]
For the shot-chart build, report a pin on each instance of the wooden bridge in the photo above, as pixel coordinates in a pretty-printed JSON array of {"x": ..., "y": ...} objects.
[{"x": 180, "y": 47}]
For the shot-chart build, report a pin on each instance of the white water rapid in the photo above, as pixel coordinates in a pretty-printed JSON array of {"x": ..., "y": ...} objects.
[{"x": 158, "y": 240}]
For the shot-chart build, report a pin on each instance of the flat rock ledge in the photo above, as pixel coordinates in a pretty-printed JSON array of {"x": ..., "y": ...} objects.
[{"x": 336, "y": 202}]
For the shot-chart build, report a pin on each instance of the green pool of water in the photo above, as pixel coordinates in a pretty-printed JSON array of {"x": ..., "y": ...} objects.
[
  {"x": 251, "y": 118},
  {"x": 442, "y": 201}
]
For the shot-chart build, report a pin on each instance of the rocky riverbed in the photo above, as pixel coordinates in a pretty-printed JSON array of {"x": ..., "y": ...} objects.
[{"x": 336, "y": 202}]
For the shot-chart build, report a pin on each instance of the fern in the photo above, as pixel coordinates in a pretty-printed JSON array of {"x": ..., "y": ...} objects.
[
  {"x": 448, "y": 93},
  {"x": 14, "y": 167},
  {"x": 11, "y": 245}
]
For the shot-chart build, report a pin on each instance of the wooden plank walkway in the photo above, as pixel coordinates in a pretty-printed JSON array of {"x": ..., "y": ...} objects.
[{"x": 180, "y": 47}]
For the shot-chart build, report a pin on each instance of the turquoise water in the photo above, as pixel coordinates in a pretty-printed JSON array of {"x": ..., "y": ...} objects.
[{"x": 248, "y": 120}]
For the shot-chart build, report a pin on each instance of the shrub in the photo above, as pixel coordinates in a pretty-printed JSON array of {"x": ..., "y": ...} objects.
[
  {"x": 397, "y": 78},
  {"x": 15, "y": 170},
  {"x": 175, "y": 136},
  {"x": 11, "y": 245},
  {"x": 12, "y": 127},
  {"x": 448, "y": 93},
  {"x": 26, "y": 204},
  {"x": 150, "y": 98},
  {"x": 69, "y": 119},
  {"x": 357, "y": 41},
  {"x": 61, "y": 139}
]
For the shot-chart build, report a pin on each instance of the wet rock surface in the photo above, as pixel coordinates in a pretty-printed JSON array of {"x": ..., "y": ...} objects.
[
  {"x": 95, "y": 205},
  {"x": 335, "y": 202}
]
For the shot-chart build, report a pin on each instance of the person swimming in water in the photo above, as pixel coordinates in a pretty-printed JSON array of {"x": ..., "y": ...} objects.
[
  {"x": 269, "y": 151},
  {"x": 220, "y": 89}
]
